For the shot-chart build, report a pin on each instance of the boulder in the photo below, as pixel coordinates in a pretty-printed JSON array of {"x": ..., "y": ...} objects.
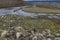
[{"x": 3, "y": 34}]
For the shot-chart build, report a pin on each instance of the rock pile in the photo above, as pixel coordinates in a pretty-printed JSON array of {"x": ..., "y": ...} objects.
[{"x": 19, "y": 33}]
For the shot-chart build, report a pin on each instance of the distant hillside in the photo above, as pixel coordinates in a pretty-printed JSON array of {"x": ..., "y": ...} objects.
[
  {"x": 9, "y": 3},
  {"x": 42, "y": 0},
  {"x": 46, "y": 4}
]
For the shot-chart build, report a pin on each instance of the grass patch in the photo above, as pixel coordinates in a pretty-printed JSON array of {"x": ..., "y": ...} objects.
[
  {"x": 41, "y": 10},
  {"x": 28, "y": 23}
]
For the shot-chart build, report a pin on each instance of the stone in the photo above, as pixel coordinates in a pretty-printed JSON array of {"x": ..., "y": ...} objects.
[
  {"x": 3, "y": 34},
  {"x": 19, "y": 33},
  {"x": 57, "y": 38},
  {"x": 57, "y": 34},
  {"x": 49, "y": 39}
]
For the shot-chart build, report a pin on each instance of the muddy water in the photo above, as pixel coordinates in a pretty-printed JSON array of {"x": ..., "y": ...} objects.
[{"x": 18, "y": 11}]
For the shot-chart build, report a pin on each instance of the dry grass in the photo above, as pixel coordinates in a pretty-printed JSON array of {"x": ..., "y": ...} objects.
[
  {"x": 29, "y": 23},
  {"x": 42, "y": 10}
]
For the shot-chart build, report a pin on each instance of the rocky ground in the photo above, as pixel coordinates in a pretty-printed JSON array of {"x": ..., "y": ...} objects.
[
  {"x": 19, "y": 33},
  {"x": 16, "y": 27}
]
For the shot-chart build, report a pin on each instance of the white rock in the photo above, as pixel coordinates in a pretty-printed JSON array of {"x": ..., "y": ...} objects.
[
  {"x": 18, "y": 34},
  {"x": 49, "y": 39},
  {"x": 4, "y": 33}
]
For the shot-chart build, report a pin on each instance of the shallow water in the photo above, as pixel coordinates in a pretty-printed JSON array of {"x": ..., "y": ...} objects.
[{"x": 18, "y": 11}]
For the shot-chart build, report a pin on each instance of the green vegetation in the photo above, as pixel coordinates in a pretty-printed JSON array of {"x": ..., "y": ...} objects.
[
  {"x": 28, "y": 23},
  {"x": 42, "y": 10}
]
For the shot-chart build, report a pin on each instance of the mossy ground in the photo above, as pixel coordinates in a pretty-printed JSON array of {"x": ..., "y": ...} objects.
[
  {"x": 39, "y": 24},
  {"x": 42, "y": 10}
]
